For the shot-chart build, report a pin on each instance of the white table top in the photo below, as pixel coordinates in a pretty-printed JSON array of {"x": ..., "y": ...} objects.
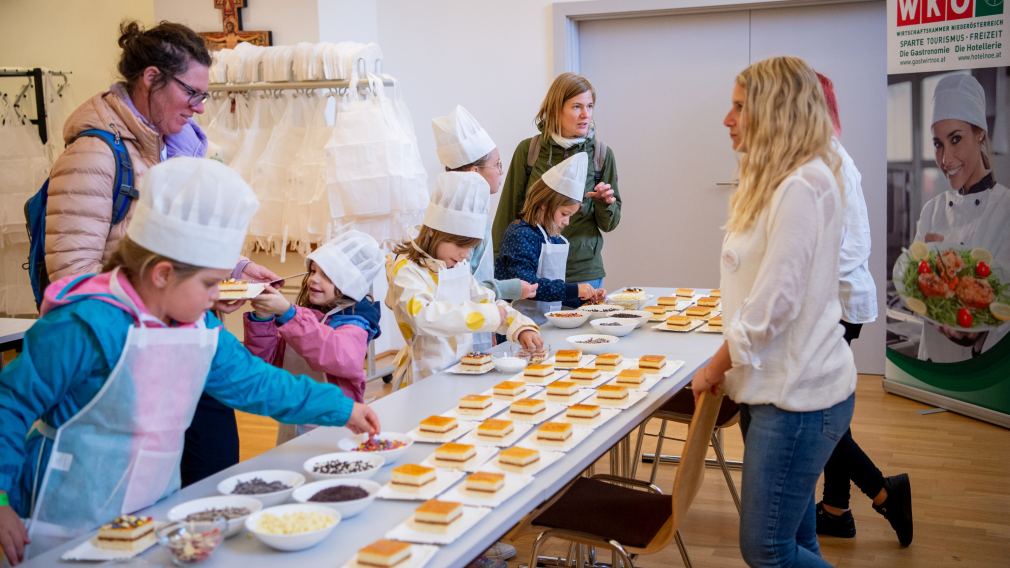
[
  {"x": 13, "y": 329},
  {"x": 400, "y": 412}
]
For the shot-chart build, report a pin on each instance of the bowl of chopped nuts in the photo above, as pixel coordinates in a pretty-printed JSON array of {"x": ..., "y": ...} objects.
[
  {"x": 192, "y": 542},
  {"x": 232, "y": 508},
  {"x": 638, "y": 317},
  {"x": 389, "y": 445},
  {"x": 567, "y": 319},
  {"x": 343, "y": 465},
  {"x": 614, "y": 326},
  {"x": 600, "y": 310},
  {"x": 592, "y": 342}
]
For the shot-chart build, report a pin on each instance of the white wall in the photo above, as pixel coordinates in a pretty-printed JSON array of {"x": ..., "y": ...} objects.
[{"x": 78, "y": 36}]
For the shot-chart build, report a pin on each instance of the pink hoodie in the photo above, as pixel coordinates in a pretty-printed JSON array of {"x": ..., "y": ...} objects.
[{"x": 339, "y": 353}]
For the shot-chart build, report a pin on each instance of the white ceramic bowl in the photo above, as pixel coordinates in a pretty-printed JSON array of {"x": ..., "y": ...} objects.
[
  {"x": 179, "y": 512},
  {"x": 641, "y": 316},
  {"x": 290, "y": 542},
  {"x": 375, "y": 461},
  {"x": 614, "y": 326},
  {"x": 347, "y": 509},
  {"x": 292, "y": 479},
  {"x": 600, "y": 310},
  {"x": 567, "y": 322},
  {"x": 351, "y": 444},
  {"x": 603, "y": 345}
]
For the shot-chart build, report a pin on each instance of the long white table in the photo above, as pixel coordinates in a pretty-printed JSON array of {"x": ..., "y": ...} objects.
[{"x": 400, "y": 412}]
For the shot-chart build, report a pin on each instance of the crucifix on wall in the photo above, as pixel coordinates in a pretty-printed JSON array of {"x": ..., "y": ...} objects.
[{"x": 233, "y": 34}]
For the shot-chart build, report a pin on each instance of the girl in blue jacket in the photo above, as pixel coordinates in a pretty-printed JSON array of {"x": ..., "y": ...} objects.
[{"x": 94, "y": 410}]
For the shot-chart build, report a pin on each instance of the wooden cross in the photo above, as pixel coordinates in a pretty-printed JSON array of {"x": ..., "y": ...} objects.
[{"x": 233, "y": 34}]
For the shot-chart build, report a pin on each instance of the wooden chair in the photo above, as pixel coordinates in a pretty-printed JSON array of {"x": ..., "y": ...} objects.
[
  {"x": 628, "y": 516},
  {"x": 680, "y": 409}
]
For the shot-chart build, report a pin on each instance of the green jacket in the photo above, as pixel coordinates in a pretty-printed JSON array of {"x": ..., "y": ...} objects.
[{"x": 585, "y": 255}]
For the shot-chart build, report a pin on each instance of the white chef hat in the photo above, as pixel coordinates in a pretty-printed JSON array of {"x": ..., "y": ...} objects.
[
  {"x": 459, "y": 138},
  {"x": 569, "y": 177},
  {"x": 350, "y": 260},
  {"x": 959, "y": 97},
  {"x": 193, "y": 210},
  {"x": 459, "y": 204}
]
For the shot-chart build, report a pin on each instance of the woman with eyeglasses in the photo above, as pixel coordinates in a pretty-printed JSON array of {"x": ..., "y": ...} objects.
[
  {"x": 566, "y": 125},
  {"x": 165, "y": 71}
]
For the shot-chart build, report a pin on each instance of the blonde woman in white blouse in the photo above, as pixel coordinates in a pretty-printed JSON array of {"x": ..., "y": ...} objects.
[{"x": 784, "y": 359}]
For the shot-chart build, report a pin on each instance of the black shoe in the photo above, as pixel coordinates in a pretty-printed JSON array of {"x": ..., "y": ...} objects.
[
  {"x": 828, "y": 524},
  {"x": 897, "y": 509}
]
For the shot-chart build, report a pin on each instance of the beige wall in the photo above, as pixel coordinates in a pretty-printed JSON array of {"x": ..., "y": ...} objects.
[{"x": 78, "y": 36}]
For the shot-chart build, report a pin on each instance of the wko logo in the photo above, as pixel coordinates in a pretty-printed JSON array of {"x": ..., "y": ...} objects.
[{"x": 914, "y": 12}]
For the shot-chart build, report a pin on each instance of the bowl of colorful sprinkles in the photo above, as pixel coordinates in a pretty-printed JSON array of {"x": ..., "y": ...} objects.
[
  {"x": 343, "y": 465},
  {"x": 592, "y": 342},
  {"x": 389, "y": 445},
  {"x": 268, "y": 486},
  {"x": 192, "y": 542},
  {"x": 293, "y": 527},
  {"x": 232, "y": 508},
  {"x": 346, "y": 496}
]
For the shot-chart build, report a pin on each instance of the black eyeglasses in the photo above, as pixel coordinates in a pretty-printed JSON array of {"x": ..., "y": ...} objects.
[{"x": 195, "y": 97}]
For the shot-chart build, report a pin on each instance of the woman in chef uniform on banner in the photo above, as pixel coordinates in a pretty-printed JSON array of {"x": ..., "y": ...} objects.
[
  {"x": 974, "y": 213},
  {"x": 464, "y": 146}
]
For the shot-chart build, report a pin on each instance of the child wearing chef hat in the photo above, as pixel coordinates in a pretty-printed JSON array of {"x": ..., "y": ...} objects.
[
  {"x": 95, "y": 408},
  {"x": 533, "y": 248},
  {"x": 437, "y": 302},
  {"x": 325, "y": 333},
  {"x": 974, "y": 213}
]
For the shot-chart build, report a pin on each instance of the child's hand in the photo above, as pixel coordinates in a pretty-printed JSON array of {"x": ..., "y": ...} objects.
[
  {"x": 586, "y": 292},
  {"x": 228, "y": 306},
  {"x": 13, "y": 536},
  {"x": 531, "y": 341},
  {"x": 364, "y": 419},
  {"x": 270, "y": 303},
  {"x": 529, "y": 291},
  {"x": 258, "y": 273},
  {"x": 601, "y": 295}
]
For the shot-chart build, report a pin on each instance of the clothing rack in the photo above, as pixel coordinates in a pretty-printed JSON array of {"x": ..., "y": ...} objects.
[
  {"x": 35, "y": 74},
  {"x": 290, "y": 85}
]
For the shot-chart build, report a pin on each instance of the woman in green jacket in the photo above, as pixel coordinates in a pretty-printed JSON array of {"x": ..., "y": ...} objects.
[{"x": 565, "y": 121}]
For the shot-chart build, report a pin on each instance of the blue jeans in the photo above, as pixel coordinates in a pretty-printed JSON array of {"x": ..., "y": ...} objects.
[
  {"x": 576, "y": 303},
  {"x": 784, "y": 454}
]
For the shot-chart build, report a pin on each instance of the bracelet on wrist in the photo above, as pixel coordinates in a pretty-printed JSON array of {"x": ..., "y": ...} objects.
[{"x": 4, "y": 500}]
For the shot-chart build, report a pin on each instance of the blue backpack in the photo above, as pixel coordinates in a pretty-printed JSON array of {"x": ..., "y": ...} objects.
[{"x": 35, "y": 209}]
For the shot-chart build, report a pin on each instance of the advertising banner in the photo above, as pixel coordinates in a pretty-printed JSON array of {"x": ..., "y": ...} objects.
[{"x": 948, "y": 239}]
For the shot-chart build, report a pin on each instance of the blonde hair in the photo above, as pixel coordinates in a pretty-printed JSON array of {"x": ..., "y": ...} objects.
[
  {"x": 134, "y": 261},
  {"x": 984, "y": 147},
  {"x": 427, "y": 240},
  {"x": 564, "y": 87},
  {"x": 786, "y": 124},
  {"x": 540, "y": 205}
]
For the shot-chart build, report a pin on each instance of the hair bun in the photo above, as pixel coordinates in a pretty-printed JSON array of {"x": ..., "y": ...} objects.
[{"x": 129, "y": 31}]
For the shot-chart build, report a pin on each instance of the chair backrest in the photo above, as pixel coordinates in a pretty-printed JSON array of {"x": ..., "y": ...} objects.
[{"x": 691, "y": 470}]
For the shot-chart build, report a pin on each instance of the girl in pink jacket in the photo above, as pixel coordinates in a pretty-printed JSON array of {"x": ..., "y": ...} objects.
[{"x": 325, "y": 334}]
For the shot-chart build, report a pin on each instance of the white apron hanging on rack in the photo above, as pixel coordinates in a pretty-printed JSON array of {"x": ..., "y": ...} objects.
[
  {"x": 551, "y": 266},
  {"x": 121, "y": 452}
]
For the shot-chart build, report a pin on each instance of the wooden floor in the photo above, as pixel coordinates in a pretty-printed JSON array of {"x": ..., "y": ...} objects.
[{"x": 959, "y": 469}]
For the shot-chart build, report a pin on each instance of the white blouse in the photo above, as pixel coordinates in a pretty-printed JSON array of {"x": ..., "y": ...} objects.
[
  {"x": 779, "y": 283},
  {"x": 856, "y": 288}
]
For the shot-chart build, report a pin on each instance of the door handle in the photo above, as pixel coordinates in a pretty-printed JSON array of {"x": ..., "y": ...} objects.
[{"x": 733, "y": 183}]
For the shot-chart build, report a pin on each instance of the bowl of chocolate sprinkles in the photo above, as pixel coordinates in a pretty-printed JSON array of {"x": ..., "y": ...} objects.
[
  {"x": 269, "y": 486},
  {"x": 347, "y": 496}
]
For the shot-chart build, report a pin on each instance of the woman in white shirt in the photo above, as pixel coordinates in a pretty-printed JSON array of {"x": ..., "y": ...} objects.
[
  {"x": 891, "y": 496},
  {"x": 784, "y": 359}
]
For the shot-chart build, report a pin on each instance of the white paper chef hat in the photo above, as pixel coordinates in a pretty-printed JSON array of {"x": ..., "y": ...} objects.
[
  {"x": 351, "y": 261},
  {"x": 569, "y": 177},
  {"x": 459, "y": 204},
  {"x": 459, "y": 138},
  {"x": 959, "y": 97},
  {"x": 193, "y": 210}
]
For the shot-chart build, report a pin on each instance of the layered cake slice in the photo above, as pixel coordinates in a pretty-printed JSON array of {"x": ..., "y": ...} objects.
[
  {"x": 583, "y": 411},
  {"x": 612, "y": 392},
  {"x": 608, "y": 361},
  {"x": 585, "y": 374},
  {"x": 384, "y": 553},
  {"x": 437, "y": 516},
  {"x": 633, "y": 377},
  {"x": 412, "y": 476},
  {"x": 554, "y": 432},
  {"x": 651, "y": 362},
  {"x": 477, "y": 362},
  {"x": 454, "y": 454},
  {"x": 509, "y": 388},
  {"x": 518, "y": 457},
  {"x": 563, "y": 389},
  {"x": 528, "y": 407},
  {"x": 127, "y": 532},
  {"x": 567, "y": 358},
  {"x": 438, "y": 425},
  {"x": 473, "y": 404},
  {"x": 485, "y": 482},
  {"x": 495, "y": 428}
]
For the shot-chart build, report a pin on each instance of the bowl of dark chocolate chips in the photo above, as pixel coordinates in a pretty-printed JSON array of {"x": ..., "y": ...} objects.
[{"x": 346, "y": 496}]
